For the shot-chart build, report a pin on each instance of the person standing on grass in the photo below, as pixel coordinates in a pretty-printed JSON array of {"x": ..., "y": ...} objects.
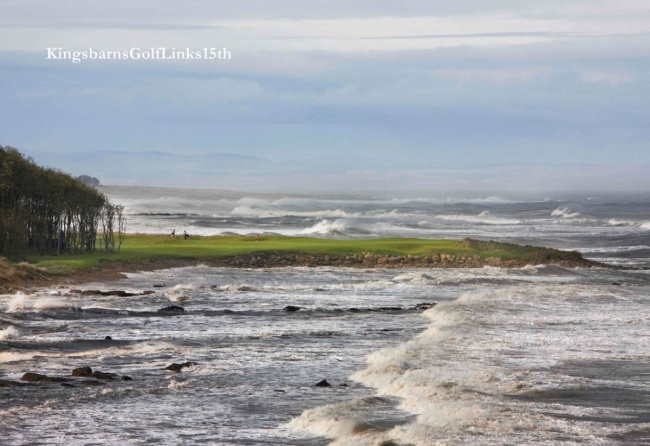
[{"x": 186, "y": 236}]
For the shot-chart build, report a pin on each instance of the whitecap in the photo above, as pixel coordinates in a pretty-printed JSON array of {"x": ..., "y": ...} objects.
[
  {"x": 484, "y": 217},
  {"x": 10, "y": 332},
  {"x": 565, "y": 212}
]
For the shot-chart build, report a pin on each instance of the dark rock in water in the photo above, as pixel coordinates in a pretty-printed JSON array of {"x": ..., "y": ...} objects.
[
  {"x": 39, "y": 378},
  {"x": 87, "y": 372},
  {"x": 343, "y": 385},
  {"x": 176, "y": 367},
  {"x": 291, "y": 308},
  {"x": 67, "y": 385},
  {"x": 390, "y": 308},
  {"x": 159, "y": 285},
  {"x": 82, "y": 371},
  {"x": 323, "y": 383},
  {"x": 354, "y": 310},
  {"x": 126, "y": 378},
  {"x": 147, "y": 292},
  {"x": 104, "y": 375},
  {"x": 90, "y": 292},
  {"x": 7, "y": 383},
  {"x": 616, "y": 283},
  {"x": 119, "y": 293},
  {"x": 91, "y": 382},
  {"x": 108, "y": 338},
  {"x": 425, "y": 305},
  {"x": 172, "y": 309}
]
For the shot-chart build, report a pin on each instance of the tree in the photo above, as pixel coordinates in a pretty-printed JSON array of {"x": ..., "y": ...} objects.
[{"x": 48, "y": 211}]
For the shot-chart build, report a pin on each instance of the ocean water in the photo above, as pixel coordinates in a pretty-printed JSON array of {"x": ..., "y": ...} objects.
[{"x": 525, "y": 356}]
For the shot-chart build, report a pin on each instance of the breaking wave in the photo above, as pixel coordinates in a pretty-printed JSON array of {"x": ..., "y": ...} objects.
[
  {"x": 10, "y": 332},
  {"x": 565, "y": 213},
  {"x": 484, "y": 217},
  {"x": 340, "y": 227},
  {"x": 22, "y": 302}
]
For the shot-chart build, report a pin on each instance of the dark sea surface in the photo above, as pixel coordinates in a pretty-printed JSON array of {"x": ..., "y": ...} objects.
[{"x": 527, "y": 356}]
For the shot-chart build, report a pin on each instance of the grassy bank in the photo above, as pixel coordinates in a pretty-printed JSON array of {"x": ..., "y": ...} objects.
[{"x": 137, "y": 248}]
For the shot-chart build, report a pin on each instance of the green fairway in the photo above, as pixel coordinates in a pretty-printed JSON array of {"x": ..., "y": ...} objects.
[{"x": 150, "y": 247}]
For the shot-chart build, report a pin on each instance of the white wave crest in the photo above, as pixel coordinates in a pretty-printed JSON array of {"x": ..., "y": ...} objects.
[
  {"x": 180, "y": 292},
  {"x": 266, "y": 213},
  {"x": 19, "y": 302},
  {"x": 339, "y": 226},
  {"x": 10, "y": 332},
  {"x": 484, "y": 217},
  {"x": 617, "y": 222},
  {"x": 50, "y": 303},
  {"x": 415, "y": 278},
  {"x": 610, "y": 249},
  {"x": 22, "y": 302},
  {"x": 565, "y": 213}
]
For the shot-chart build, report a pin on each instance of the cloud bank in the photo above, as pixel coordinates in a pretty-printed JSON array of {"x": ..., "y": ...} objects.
[{"x": 335, "y": 95}]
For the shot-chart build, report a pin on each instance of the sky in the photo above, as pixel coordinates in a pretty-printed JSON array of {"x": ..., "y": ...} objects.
[{"x": 337, "y": 95}]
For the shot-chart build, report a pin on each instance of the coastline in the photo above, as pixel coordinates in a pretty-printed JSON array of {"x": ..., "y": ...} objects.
[{"x": 26, "y": 277}]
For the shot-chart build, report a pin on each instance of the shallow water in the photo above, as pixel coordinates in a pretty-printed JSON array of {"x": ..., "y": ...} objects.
[{"x": 528, "y": 356}]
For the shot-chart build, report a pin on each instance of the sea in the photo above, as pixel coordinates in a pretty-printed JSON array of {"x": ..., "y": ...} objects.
[{"x": 536, "y": 355}]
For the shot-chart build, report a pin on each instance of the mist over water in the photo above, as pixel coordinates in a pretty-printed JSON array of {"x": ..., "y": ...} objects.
[{"x": 530, "y": 356}]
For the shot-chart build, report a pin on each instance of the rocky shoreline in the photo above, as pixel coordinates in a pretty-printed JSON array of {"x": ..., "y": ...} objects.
[
  {"x": 25, "y": 278},
  {"x": 371, "y": 260}
]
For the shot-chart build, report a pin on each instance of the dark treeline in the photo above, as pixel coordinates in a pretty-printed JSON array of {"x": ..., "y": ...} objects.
[{"x": 46, "y": 211}]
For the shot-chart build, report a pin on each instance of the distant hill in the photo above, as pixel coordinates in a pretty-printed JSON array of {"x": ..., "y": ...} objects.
[{"x": 88, "y": 180}]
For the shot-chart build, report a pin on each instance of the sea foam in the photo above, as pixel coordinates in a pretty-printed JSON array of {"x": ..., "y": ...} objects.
[
  {"x": 483, "y": 218},
  {"x": 10, "y": 332}
]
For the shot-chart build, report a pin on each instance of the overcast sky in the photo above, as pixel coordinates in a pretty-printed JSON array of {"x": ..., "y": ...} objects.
[{"x": 340, "y": 95}]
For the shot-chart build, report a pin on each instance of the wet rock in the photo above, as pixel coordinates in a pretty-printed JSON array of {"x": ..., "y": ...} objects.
[
  {"x": 91, "y": 382},
  {"x": 291, "y": 308},
  {"x": 104, "y": 375},
  {"x": 87, "y": 372},
  {"x": 159, "y": 285},
  {"x": 8, "y": 383},
  {"x": 172, "y": 309},
  {"x": 108, "y": 338},
  {"x": 39, "y": 378},
  {"x": 126, "y": 378},
  {"x": 323, "y": 383},
  {"x": 82, "y": 371},
  {"x": 177, "y": 367}
]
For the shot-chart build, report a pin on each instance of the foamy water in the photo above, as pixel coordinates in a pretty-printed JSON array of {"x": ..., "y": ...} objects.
[{"x": 529, "y": 356}]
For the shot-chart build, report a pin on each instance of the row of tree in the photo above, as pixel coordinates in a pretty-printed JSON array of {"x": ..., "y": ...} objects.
[{"x": 45, "y": 211}]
